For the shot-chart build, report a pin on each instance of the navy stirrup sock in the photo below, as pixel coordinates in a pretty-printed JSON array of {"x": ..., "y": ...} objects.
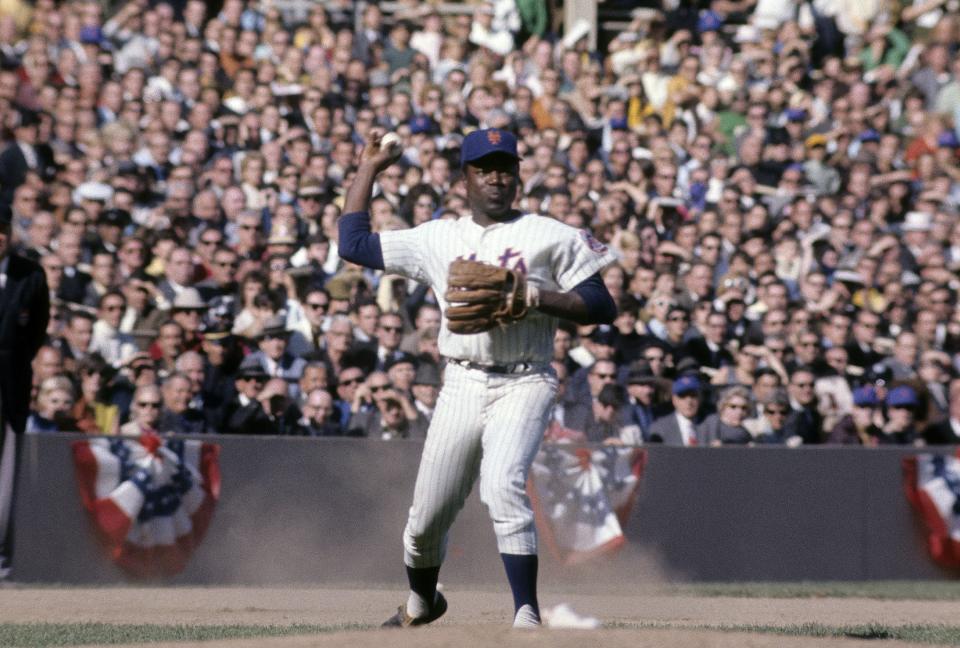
[
  {"x": 522, "y": 574},
  {"x": 423, "y": 581}
]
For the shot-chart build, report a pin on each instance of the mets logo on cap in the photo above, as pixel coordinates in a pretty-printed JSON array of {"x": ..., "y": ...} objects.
[{"x": 494, "y": 137}]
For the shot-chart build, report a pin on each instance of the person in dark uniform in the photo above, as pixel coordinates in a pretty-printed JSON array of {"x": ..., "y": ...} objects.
[{"x": 24, "y": 311}]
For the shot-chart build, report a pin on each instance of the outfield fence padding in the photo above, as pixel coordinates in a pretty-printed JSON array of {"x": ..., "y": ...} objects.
[{"x": 304, "y": 510}]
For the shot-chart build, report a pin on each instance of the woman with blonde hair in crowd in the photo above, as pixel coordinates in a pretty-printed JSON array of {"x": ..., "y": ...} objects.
[{"x": 52, "y": 411}]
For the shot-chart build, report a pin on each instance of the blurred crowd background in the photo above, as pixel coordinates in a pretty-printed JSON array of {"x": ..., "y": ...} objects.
[{"x": 779, "y": 180}]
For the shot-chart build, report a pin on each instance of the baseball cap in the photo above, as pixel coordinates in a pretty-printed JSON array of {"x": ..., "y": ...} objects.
[
  {"x": 420, "y": 124},
  {"x": 869, "y": 135},
  {"x": 686, "y": 385},
  {"x": 902, "y": 396},
  {"x": 709, "y": 21},
  {"x": 796, "y": 114},
  {"x": 481, "y": 143},
  {"x": 865, "y": 396},
  {"x": 947, "y": 139},
  {"x": 815, "y": 140}
]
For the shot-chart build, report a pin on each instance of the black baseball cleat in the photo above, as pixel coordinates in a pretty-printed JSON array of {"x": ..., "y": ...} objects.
[{"x": 403, "y": 620}]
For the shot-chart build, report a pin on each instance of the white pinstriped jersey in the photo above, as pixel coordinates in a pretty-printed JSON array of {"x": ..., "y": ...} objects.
[{"x": 553, "y": 256}]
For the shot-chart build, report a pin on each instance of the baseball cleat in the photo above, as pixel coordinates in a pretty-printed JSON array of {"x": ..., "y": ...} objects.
[{"x": 403, "y": 620}]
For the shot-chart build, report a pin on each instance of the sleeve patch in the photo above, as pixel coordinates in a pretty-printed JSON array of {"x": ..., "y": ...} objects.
[{"x": 592, "y": 242}]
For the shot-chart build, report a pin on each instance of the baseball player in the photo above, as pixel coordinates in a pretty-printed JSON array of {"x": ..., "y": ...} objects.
[{"x": 502, "y": 279}]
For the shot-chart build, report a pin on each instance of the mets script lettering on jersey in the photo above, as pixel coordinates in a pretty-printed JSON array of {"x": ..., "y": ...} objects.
[{"x": 552, "y": 254}]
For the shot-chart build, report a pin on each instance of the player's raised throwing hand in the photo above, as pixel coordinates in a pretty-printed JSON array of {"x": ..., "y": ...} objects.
[{"x": 379, "y": 154}]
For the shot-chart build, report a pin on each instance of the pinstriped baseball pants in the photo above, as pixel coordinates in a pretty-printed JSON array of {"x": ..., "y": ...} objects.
[{"x": 486, "y": 425}]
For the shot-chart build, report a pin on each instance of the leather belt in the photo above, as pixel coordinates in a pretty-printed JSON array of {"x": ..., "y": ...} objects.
[{"x": 512, "y": 368}]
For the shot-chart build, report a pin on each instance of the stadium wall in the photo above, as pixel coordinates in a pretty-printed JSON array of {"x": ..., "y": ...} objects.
[{"x": 302, "y": 510}]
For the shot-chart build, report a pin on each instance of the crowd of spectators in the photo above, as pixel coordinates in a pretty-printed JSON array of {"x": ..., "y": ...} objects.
[{"x": 779, "y": 180}]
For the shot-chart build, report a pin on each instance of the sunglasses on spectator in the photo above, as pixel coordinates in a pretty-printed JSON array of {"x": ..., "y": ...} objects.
[
  {"x": 776, "y": 411},
  {"x": 378, "y": 388},
  {"x": 352, "y": 381},
  {"x": 316, "y": 305},
  {"x": 150, "y": 404}
]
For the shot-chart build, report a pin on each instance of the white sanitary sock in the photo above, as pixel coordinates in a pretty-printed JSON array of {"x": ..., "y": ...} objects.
[
  {"x": 416, "y": 606},
  {"x": 526, "y": 617}
]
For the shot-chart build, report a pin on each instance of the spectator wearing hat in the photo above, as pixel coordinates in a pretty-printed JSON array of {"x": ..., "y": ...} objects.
[
  {"x": 902, "y": 406},
  {"x": 426, "y": 388},
  {"x": 642, "y": 405},
  {"x": 864, "y": 424},
  {"x": 110, "y": 228},
  {"x": 679, "y": 428},
  {"x": 244, "y": 413},
  {"x": 273, "y": 356},
  {"x": 187, "y": 310}
]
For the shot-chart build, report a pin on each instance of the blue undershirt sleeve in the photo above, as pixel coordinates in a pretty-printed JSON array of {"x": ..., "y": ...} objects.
[
  {"x": 600, "y": 304},
  {"x": 357, "y": 243}
]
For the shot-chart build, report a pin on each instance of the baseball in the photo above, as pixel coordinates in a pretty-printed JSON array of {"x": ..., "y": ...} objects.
[{"x": 389, "y": 141}]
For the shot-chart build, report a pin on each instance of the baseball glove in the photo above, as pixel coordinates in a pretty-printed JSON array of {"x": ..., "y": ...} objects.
[{"x": 483, "y": 296}]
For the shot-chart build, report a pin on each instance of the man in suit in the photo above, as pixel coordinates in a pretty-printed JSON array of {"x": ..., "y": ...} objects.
[
  {"x": 20, "y": 156},
  {"x": 947, "y": 431},
  {"x": 680, "y": 427},
  {"x": 24, "y": 311},
  {"x": 274, "y": 358}
]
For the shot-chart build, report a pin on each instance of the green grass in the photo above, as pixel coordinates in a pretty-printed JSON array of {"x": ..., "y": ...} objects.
[
  {"x": 41, "y": 635},
  {"x": 914, "y": 590},
  {"x": 931, "y": 634}
]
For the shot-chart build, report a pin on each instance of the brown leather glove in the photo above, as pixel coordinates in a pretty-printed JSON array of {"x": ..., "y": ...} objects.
[{"x": 483, "y": 296}]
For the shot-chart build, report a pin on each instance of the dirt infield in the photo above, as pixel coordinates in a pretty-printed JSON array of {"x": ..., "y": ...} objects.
[{"x": 476, "y": 618}]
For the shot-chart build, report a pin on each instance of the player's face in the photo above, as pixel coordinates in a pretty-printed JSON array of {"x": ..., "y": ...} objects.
[{"x": 492, "y": 185}]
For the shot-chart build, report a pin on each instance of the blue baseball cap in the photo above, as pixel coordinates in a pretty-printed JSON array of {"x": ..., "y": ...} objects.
[
  {"x": 902, "y": 396},
  {"x": 618, "y": 123},
  {"x": 869, "y": 135},
  {"x": 709, "y": 21},
  {"x": 420, "y": 124},
  {"x": 685, "y": 385},
  {"x": 865, "y": 397},
  {"x": 481, "y": 143},
  {"x": 947, "y": 139},
  {"x": 796, "y": 115}
]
